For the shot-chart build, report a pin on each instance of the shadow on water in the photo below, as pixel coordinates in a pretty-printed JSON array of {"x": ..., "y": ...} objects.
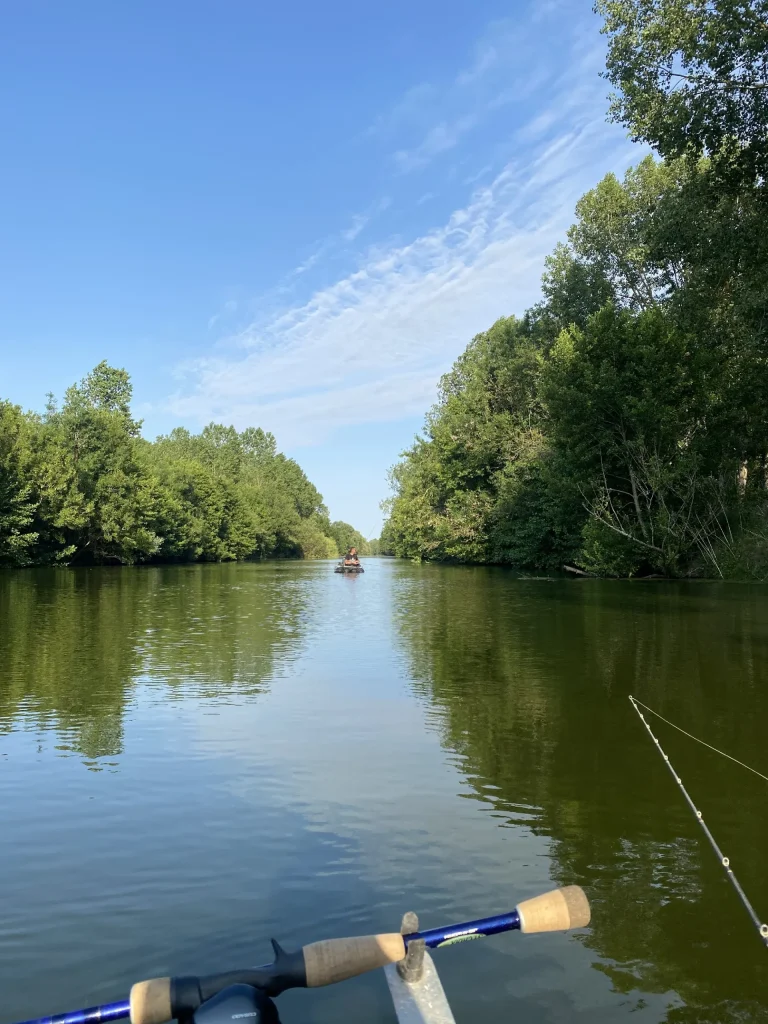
[{"x": 528, "y": 681}]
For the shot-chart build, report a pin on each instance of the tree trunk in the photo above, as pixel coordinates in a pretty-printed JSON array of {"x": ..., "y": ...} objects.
[
  {"x": 741, "y": 478},
  {"x": 636, "y": 501},
  {"x": 579, "y": 572}
]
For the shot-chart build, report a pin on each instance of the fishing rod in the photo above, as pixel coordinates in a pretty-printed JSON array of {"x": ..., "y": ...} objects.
[
  {"x": 761, "y": 927},
  {"x": 324, "y": 963}
]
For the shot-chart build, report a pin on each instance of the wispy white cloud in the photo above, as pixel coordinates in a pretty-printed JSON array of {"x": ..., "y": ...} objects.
[
  {"x": 442, "y": 137},
  {"x": 322, "y": 250},
  {"x": 537, "y": 126},
  {"x": 486, "y": 56},
  {"x": 508, "y": 64},
  {"x": 310, "y": 261},
  {"x": 227, "y": 309},
  {"x": 361, "y": 220},
  {"x": 370, "y": 346},
  {"x": 482, "y": 173}
]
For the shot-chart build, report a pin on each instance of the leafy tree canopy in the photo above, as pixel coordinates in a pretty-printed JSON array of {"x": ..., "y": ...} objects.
[{"x": 79, "y": 484}]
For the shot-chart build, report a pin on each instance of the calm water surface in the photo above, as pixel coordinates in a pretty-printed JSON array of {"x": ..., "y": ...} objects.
[{"x": 194, "y": 759}]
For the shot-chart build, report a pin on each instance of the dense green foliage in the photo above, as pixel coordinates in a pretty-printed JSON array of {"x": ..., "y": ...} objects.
[
  {"x": 347, "y": 537},
  {"x": 621, "y": 425},
  {"x": 80, "y": 484},
  {"x": 692, "y": 77}
]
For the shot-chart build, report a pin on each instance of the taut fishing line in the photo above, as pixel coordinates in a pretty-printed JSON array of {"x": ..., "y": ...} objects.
[{"x": 762, "y": 928}]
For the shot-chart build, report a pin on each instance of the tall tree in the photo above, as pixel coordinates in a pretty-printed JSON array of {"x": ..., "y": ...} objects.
[
  {"x": 692, "y": 77},
  {"x": 621, "y": 423}
]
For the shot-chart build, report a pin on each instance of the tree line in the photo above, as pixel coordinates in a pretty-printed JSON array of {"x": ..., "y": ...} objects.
[
  {"x": 80, "y": 485},
  {"x": 620, "y": 426}
]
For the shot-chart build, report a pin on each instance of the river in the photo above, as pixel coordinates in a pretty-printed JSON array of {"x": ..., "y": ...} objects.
[{"x": 196, "y": 758}]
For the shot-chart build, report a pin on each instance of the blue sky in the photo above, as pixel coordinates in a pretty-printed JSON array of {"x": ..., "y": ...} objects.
[{"x": 289, "y": 216}]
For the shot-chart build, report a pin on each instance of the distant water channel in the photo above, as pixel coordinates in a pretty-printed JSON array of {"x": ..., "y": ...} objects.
[{"x": 194, "y": 759}]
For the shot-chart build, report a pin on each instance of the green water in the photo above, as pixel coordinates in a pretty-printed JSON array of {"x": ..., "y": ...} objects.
[{"x": 194, "y": 759}]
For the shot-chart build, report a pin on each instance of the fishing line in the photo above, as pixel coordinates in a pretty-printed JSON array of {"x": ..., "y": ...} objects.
[
  {"x": 702, "y": 742},
  {"x": 762, "y": 928}
]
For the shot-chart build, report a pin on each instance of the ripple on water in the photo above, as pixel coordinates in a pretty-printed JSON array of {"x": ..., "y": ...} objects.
[{"x": 196, "y": 758}]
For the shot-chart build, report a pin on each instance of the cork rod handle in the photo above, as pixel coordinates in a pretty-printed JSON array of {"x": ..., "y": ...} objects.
[
  {"x": 555, "y": 911},
  {"x": 338, "y": 959},
  {"x": 151, "y": 1001}
]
